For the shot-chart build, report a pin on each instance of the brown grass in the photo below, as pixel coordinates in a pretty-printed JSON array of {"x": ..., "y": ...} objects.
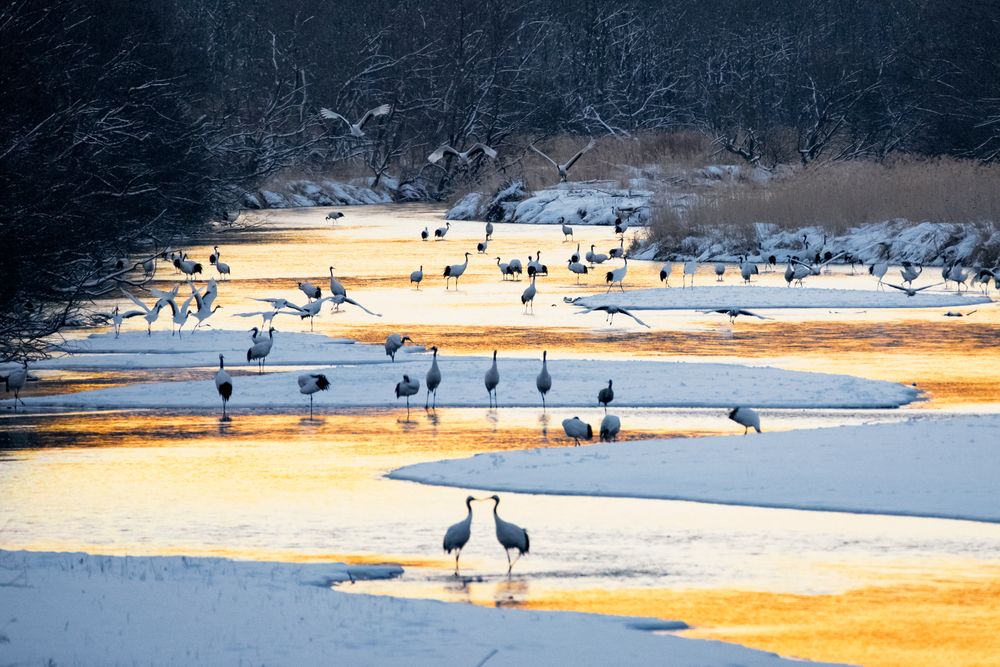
[{"x": 842, "y": 195}]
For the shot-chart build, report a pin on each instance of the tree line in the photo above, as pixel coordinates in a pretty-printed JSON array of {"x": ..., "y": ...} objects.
[{"x": 127, "y": 125}]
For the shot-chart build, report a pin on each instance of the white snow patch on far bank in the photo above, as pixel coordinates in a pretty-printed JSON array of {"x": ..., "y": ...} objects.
[
  {"x": 945, "y": 468},
  {"x": 100, "y": 610},
  {"x": 752, "y": 296}
]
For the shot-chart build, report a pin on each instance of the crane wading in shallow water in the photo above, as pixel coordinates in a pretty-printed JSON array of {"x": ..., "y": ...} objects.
[
  {"x": 509, "y": 535},
  {"x": 223, "y": 385},
  {"x": 309, "y": 384},
  {"x": 457, "y": 535}
]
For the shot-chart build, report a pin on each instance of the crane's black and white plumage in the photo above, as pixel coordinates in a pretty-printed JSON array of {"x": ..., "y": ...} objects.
[
  {"x": 489, "y": 231},
  {"x": 564, "y": 168},
  {"x": 464, "y": 157},
  {"x": 433, "y": 380},
  {"x": 910, "y": 272},
  {"x": 577, "y": 429},
  {"x": 878, "y": 269},
  {"x": 310, "y": 310},
  {"x": 425, "y": 234},
  {"x": 746, "y": 418},
  {"x": 309, "y": 384},
  {"x": 610, "y": 427},
  {"x": 491, "y": 380},
  {"x": 334, "y": 215},
  {"x": 310, "y": 290},
  {"x": 150, "y": 314},
  {"x": 619, "y": 251},
  {"x": 357, "y": 129},
  {"x": 406, "y": 388},
  {"x": 220, "y": 266},
  {"x": 912, "y": 291},
  {"x": 260, "y": 349},
  {"x": 955, "y": 313},
  {"x": 509, "y": 535},
  {"x": 543, "y": 382},
  {"x": 15, "y": 381},
  {"x": 179, "y": 314},
  {"x": 796, "y": 272},
  {"x": 748, "y": 270},
  {"x": 612, "y": 311},
  {"x": 575, "y": 257},
  {"x": 958, "y": 275},
  {"x": 455, "y": 271},
  {"x": 392, "y": 344},
  {"x": 566, "y": 230},
  {"x": 457, "y": 535},
  {"x": 204, "y": 308},
  {"x": 528, "y": 296},
  {"x": 515, "y": 268},
  {"x": 440, "y": 232},
  {"x": 482, "y": 246},
  {"x": 577, "y": 268},
  {"x": 665, "y": 272},
  {"x": 605, "y": 396},
  {"x": 535, "y": 266},
  {"x": 417, "y": 276},
  {"x": 504, "y": 269},
  {"x": 223, "y": 385},
  {"x": 617, "y": 276},
  {"x": 733, "y": 313},
  {"x": 595, "y": 257},
  {"x": 187, "y": 266}
]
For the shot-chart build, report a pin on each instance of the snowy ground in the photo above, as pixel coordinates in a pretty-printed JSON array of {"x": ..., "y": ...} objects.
[
  {"x": 709, "y": 297},
  {"x": 574, "y": 203},
  {"x": 923, "y": 243},
  {"x": 360, "y": 381},
  {"x": 75, "y": 609},
  {"x": 944, "y": 468}
]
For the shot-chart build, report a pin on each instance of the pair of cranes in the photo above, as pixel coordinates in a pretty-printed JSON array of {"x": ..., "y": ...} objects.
[{"x": 204, "y": 302}]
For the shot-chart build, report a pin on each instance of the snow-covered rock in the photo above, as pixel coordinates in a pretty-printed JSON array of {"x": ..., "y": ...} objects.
[
  {"x": 326, "y": 192},
  {"x": 591, "y": 203}
]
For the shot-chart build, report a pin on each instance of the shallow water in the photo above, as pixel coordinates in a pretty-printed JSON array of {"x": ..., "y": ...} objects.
[{"x": 275, "y": 485}]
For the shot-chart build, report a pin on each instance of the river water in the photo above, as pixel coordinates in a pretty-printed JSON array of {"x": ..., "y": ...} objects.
[{"x": 273, "y": 485}]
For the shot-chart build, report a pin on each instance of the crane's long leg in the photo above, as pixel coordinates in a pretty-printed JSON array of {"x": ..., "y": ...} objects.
[
  {"x": 427, "y": 399},
  {"x": 310, "y": 407},
  {"x": 509, "y": 564},
  {"x": 620, "y": 287},
  {"x": 435, "y": 406}
]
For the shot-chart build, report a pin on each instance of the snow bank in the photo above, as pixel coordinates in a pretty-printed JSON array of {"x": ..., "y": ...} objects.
[
  {"x": 924, "y": 243},
  {"x": 944, "y": 468},
  {"x": 589, "y": 203},
  {"x": 757, "y": 297},
  {"x": 575, "y": 383},
  {"x": 70, "y": 609},
  {"x": 134, "y": 349},
  {"x": 325, "y": 192}
]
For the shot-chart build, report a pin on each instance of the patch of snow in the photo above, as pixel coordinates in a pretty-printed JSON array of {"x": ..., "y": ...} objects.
[
  {"x": 102, "y": 610},
  {"x": 371, "y": 380},
  {"x": 710, "y": 297},
  {"x": 945, "y": 468}
]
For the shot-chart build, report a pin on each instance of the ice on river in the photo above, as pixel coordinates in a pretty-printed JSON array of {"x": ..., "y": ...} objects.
[
  {"x": 359, "y": 380},
  {"x": 98, "y": 610},
  {"x": 945, "y": 468},
  {"x": 705, "y": 297}
]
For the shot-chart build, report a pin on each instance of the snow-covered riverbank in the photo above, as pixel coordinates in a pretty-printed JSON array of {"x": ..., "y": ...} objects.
[
  {"x": 362, "y": 377},
  {"x": 571, "y": 203},
  {"x": 300, "y": 193},
  {"x": 945, "y": 468},
  {"x": 77, "y": 609}
]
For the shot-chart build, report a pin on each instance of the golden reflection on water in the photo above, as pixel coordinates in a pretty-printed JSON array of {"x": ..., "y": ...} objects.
[{"x": 943, "y": 618}]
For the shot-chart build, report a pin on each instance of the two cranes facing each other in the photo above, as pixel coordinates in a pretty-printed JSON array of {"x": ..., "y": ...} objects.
[{"x": 509, "y": 535}]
